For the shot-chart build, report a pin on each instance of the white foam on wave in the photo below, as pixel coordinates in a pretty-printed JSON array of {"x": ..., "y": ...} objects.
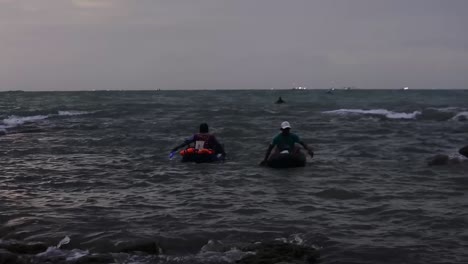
[
  {"x": 13, "y": 120},
  {"x": 382, "y": 112},
  {"x": 72, "y": 113},
  {"x": 449, "y": 109},
  {"x": 69, "y": 255},
  {"x": 230, "y": 256},
  {"x": 296, "y": 239},
  {"x": 460, "y": 115}
]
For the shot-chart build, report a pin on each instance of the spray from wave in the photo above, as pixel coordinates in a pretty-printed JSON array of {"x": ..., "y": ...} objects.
[
  {"x": 462, "y": 116},
  {"x": 14, "y": 120},
  {"x": 437, "y": 114},
  {"x": 378, "y": 112},
  {"x": 73, "y": 113}
]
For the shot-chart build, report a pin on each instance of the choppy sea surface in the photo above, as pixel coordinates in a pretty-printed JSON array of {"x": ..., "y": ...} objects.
[{"x": 91, "y": 170}]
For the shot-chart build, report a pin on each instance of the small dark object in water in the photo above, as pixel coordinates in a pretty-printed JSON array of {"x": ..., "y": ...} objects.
[
  {"x": 278, "y": 252},
  {"x": 441, "y": 159},
  {"x": 280, "y": 101},
  {"x": 22, "y": 247},
  {"x": 287, "y": 160},
  {"x": 438, "y": 160},
  {"x": 464, "y": 151}
]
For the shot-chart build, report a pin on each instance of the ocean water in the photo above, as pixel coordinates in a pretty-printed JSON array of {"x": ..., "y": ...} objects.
[{"x": 91, "y": 170}]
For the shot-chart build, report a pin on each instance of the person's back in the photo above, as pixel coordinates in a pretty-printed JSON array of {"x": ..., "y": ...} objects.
[
  {"x": 285, "y": 141},
  {"x": 203, "y": 140}
]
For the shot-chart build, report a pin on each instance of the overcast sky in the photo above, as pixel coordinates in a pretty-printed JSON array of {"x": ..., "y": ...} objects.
[{"x": 232, "y": 44}]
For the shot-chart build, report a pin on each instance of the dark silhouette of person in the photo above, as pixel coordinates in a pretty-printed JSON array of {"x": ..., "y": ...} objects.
[
  {"x": 464, "y": 151},
  {"x": 280, "y": 101},
  {"x": 285, "y": 141},
  {"x": 203, "y": 140}
]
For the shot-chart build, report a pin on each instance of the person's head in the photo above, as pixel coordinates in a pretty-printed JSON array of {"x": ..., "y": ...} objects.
[
  {"x": 285, "y": 128},
  {"x": 204, "y": 128}
]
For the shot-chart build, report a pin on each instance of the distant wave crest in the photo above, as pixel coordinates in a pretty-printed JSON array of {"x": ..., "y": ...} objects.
[
  {"x": 461, "y": 116},
  {"x": 437, "y": 114},
  {"x": 379, "y": 112},
  {"x": 14, "y": 120},
  {"x": 72, "y": 113}
]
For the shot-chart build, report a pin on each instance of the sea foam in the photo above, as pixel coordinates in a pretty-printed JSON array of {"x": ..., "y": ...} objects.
[
  {"x": 461, "y": 116},
  {"x": 13, "y": 120},
  {"x": 72, "y": 113},
  {"x": 379, "y": 112}
]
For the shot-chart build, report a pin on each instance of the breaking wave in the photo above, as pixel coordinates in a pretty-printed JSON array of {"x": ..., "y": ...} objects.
[
  {"x": 73, "y": 113},
  {"x": 437, "y": 114},
  {"x": 14, "y": 120},
  {"x": 215, "y": 251},
  {"x": 462, "y": 116},
  {"x": 378, "y": 112}
]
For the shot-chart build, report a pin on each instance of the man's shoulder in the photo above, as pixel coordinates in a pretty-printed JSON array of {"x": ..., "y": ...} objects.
[
  {"x": 203, "y": 135},
  {"x": 276, "y": 137},
  {"x": 295, "y": 136}
]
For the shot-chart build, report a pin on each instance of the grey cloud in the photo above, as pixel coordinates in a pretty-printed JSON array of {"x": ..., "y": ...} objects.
[{"x": 233, "y": 44}]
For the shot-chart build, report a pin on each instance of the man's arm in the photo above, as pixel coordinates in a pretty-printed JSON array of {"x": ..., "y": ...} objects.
[
  {"x": 186, "y": 142},
  {"x": 309, "y": 150},
  {"x": 219, "y": 147},
  {"x": 267, "y": 154}
]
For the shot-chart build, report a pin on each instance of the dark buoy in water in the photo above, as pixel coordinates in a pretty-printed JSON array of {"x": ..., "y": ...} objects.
[
  {"x": 464, "y": 151},
  {"x": 280, "y": 101},
  {"x": 442, "y": 159},
  {"x": 438, "y": 160}
]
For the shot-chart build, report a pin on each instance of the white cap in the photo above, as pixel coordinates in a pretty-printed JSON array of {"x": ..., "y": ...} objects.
[{"x": 285, "y": 125}]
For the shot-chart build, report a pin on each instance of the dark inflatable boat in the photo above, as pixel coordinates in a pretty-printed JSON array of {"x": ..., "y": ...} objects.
[{"x": 287, "y": 160}]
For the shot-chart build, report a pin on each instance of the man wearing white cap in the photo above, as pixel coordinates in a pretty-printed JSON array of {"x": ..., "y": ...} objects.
[{"x": 285, "y": 141}]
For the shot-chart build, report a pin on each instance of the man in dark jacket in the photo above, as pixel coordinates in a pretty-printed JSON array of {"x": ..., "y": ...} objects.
[{"x": 203, "y": 140}]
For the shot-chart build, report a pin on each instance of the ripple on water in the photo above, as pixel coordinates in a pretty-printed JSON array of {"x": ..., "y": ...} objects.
[
  {"x": 340, "y": 194},
  {"x": 104, "y": 178}
]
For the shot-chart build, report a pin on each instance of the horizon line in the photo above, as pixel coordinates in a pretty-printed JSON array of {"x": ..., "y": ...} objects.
[{"x": 241, "y": 89}]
